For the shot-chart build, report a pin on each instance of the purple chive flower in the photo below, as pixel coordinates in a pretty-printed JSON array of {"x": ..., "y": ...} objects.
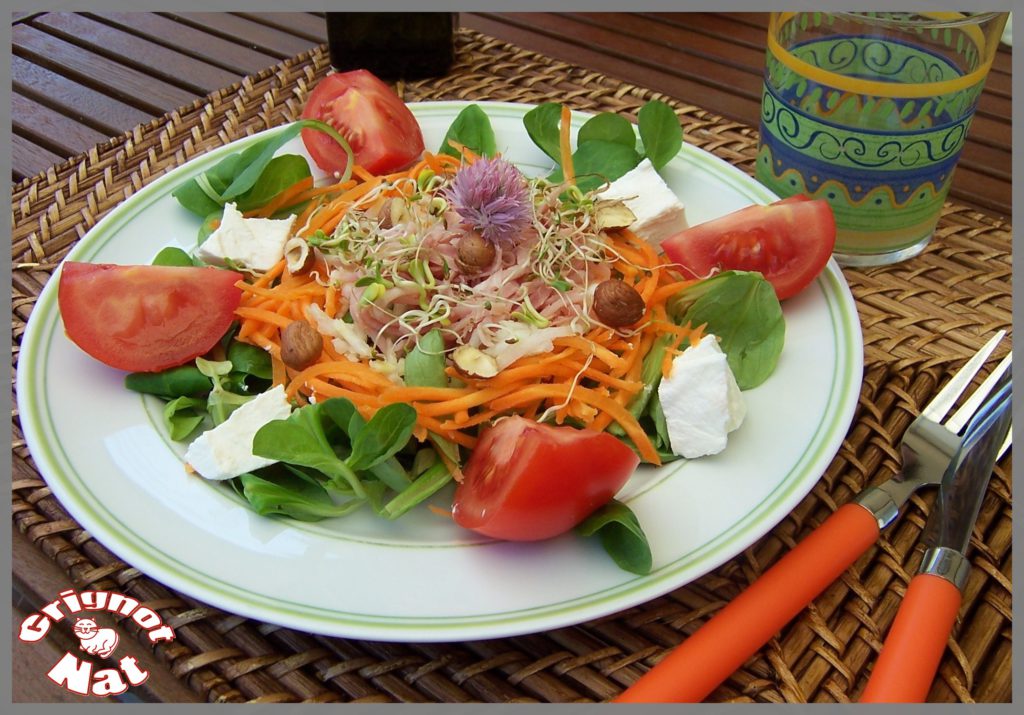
[{"x": 491, "y": 197}]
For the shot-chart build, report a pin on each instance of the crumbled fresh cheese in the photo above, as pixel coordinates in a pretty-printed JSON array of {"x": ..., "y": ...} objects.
[
  {"x": 347, "y": 338},
  {"x": 256, "y": 243},
  {"x": 514, "y": 340},
  {"x": 226, "y": 450},
  {"x": 701, "y": 400},
  {"x": 658, "y": 211}
]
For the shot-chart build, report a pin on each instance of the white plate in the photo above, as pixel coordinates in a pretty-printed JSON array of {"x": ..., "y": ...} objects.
[{"x": 104, "y": 454}]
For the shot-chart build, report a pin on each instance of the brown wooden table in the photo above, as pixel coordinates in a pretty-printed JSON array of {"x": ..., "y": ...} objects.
[{"x": 80, "y": 79}]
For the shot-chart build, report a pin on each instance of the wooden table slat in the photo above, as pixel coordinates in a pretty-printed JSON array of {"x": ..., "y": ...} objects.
[
  {"x": 558, "y": 46},
  {"x": 715, "y": 25},
  {"x": 232, "y": 55},
  {"x": 29, "y": 159},
  {"x": 679, "y": 42},
  {"x": 89, "y": 106},
  {"x": 302, "y": 24},
  {"x": 258, "y": 36},
  {"x": 46, "y": 127},
  {"x": 125, "y": 83},
  {"x": 167, "y": 64}
]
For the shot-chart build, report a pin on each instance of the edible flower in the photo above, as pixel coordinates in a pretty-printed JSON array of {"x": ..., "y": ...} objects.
[{"x": 491, "y": 197}]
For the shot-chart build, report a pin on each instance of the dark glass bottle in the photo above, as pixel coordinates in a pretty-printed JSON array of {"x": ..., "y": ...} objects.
[{"x": 392, "y": 45}]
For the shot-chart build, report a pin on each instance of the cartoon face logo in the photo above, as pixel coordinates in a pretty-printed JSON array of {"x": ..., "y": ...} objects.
[{"x": 95, "y": 640}]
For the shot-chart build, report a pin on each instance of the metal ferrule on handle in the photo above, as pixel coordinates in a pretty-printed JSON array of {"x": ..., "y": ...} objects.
[
  {"x": 882, "y": 503},
  {"x": 946, "y": 563}
]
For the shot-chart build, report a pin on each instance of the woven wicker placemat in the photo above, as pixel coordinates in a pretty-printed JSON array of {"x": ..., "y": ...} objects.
[{"x": 921, "y": 319}]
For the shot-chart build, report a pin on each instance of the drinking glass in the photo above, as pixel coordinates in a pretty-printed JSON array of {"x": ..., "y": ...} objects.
[{"x": 870, "y": 111}]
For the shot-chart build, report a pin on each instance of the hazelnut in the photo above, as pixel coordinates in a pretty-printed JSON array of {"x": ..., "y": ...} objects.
[
  {"x": 301, "y": 345},
  {"x": 473, "y": 362},
  {"x": 392, "y": 212},
  {"x": 475, "y": 253},
  {"x": 617, "y": 304}
]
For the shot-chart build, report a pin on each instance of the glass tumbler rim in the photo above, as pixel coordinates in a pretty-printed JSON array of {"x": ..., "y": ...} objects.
[{"x": 977, "y": 18}]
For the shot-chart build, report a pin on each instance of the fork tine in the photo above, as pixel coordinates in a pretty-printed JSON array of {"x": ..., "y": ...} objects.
[
  {"x": 971, "y": 404},
  {"x": 936, "y": 409}
]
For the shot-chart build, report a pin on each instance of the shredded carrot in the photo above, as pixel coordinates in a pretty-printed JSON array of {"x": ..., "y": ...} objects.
[
  {"x": 264, "y": 315},
  {"x": 353, "y": 373},
  {"x": 589, "y": 347},
  {"x": 328, "y": 217},
  {"x": 590, "y": 378},
  {"x": 664, "y": 292},
  {"x": 331, "y": 301},
  {"x": 268, "y": 277},
  {"x": 362, "y": 173},
  {"x": 468, "y": 154},
  {"x": 419, "y": 394},
  {"x": 590, "y": 397},
  {"x": 285, "y": 198}
]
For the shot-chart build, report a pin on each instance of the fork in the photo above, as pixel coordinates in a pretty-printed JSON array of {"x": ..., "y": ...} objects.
[{"x": 717, "y": 649}]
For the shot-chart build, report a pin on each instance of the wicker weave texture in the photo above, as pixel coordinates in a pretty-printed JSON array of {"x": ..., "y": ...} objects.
[{"x": 921, "y": 320}]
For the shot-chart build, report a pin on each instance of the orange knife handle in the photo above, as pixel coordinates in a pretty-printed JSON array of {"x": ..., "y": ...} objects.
[
  {"x": 910, "y": 656},
  {"x": 717, "y": 649}
]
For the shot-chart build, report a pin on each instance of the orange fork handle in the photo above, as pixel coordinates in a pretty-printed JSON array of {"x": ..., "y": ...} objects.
[
  {"x": 713, "y": 653},
  {"x": 910, "y": 656}
]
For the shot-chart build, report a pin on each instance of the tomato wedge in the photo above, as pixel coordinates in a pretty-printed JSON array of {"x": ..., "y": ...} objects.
[
  {"x": 383, "y": 133},
  {"x": 527, "y": 481},
  {"x": 789, "y": 242},
  {"x": 146, "y": 318}
]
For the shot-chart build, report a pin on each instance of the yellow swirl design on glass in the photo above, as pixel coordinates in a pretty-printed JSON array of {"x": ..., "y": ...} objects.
[{"x": 876, "y": 88}]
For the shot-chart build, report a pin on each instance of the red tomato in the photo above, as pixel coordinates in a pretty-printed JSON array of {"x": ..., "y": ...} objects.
[
  {"x": 527, "y": 481},
  {"x": 789, "y": 242},
  {"x": 383, "y": 133},
  {"x": 146, "y": 318}
]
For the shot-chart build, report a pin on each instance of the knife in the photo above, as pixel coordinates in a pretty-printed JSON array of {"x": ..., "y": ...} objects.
[{"x": 911, "y": 653}]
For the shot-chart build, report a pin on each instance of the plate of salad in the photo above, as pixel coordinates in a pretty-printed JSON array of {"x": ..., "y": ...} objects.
[{"x": 441, "y": 371}]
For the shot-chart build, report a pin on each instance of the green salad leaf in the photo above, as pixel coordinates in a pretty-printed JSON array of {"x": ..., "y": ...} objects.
[
  {"x": 741, "y": 308},
  {"x": 608, "y": 127},
  {"x": 597, "y": 162},
  {"x": 173, "y": 256},
  {"x": 290, "y": 491},
  {"x": 660, "y": 132},
  {"x": 606, "y": 144},
  {"x": 180, "y": 381},
  {"x": 471, "y": 128},
  {"x": 183, "y": 415},
  {"x": 251, "y": 175},
  {"x": 541, "y": 124},
  {"x": 620, "y": 534}
]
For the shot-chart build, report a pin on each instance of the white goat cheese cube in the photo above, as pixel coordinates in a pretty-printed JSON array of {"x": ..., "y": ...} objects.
[
  {"x": 226, "y": 450},
  {"x": 256, "y": 243},
  {"x": 659, "y": 212},
  {"x": 701, "y": 400}
]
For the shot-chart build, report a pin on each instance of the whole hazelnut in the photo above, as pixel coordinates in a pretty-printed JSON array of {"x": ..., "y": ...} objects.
[
  {"x": 475, "y": 253},
  {"x": 301, "y": 345},
  {"x": 617, "y": 304}
]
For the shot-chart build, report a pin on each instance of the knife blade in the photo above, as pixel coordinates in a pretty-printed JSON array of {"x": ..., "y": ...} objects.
[
  {"x": 911, "y": 653},
  {"x": 963, "y": 486}
]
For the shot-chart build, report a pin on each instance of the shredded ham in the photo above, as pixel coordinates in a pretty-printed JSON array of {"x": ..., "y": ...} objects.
[{"x": 487, "y": 310}]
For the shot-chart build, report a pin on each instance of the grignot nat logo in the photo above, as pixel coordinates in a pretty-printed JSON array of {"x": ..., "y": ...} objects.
[{"x": 74, "y": 673}]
